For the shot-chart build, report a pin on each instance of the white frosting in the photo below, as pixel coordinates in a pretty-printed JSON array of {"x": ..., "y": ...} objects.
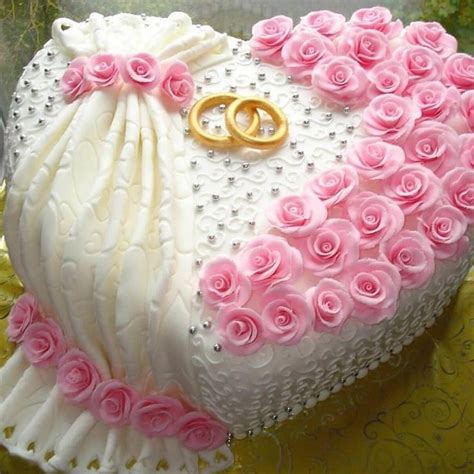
[{"x": 103, "y": 226}]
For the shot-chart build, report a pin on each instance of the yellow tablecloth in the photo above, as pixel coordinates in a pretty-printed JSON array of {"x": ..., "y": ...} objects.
[{"x": 414, "y": 414}]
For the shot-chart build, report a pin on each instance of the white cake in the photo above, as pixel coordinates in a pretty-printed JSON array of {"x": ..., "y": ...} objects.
[{"x": 110, "y": 232}]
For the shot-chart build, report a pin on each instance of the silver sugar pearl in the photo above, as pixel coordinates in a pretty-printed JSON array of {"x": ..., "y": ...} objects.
[
  {"x": 210, "y": 153},
  {"x": 266, "y": 94},
  {"x": 18, "y": 127},
  {"x": 193, "y": 162},
  {"x": 47, "y": 71},
  {"x": 211, "y": 237},
  {"x": 205, "y": 122},
  {"x": 17, "y": 99},
  {"x": 249, "y": 194},
  {"x": 293, "y": 143},
  {"x": 274, "y": 417},
  {"x": 261, "y": 76},
  {"x": 34, "y": 90},
  {"x": 57, "y": 80},
  {"x": 207, "y": 78},
  {"x": 343, "y": 142},
  {"x": 236, "y": 244},
  {"x": 217, "y": 347},
  {"x": 347, "y": 109},
  {"x": 279, "y": 168},
  {"x": 239, "y": 42},
  {"x": 249, "y": 433},
  {"x": 288, "y": 409},
  {"x": 307, "y": 110},
  {"x": 218, "y": 128},
  {"x": 51, "y": 98},
  {"x": 227, "y": 162},
  {"x": 271, "y": 130},
  {"x": 228, "y": 71},
  {"x": 196, "y": 186},
  {"x": 206, "y": 324},
  {"x": 295, "y": 96},
  {"x": 235, "y": 51},
  {"x": 245, "y": 166},
  {"x": 350, "y": 128},
  {"x": 328, "y": 115},
  {"x": 198, "y": 262},
  {"x": 31, "y": 109},
  {"x": 15, "y": 114},
  {"x": 338, "y": 157},
  {"x": 222, "y": 108},
  {"x": 199, "y": 207},
  {"x": 220, "y": 225},
  {"x": 310, "y": 164},
  {"x": 192, "y": 330},
  {"x": 231, "y": 179},
  {"x": 332, "y": 134},
  {"x": 35, "y": 65},
  {"x": 199, "y": 88},
  {"x": 235, "y": 211},
  {"x": 183, "y": 111},
  {"x": 289, "y": 79},
  {"x": 22, "y": 137},
  {"x": 300, "y": 153},
  {"x": 261, "y": 130},
  {"x": 50, "y": 54},
  {"x": 16, "y": 154},
  {"x": 251, "y": 223},
  {"x": 233, "y": 88},
  {"x": 198, "y": 293},
  {"x": 253, "y": 85},
  {"x": 26, "y": 83},
  {"x": 187, "y": 130},
  {"x": 215, "y": 197},
  {"x": 257, "y": 61},
  {"x": 48, "y": 106},
  {"x": 275, "y": 189},
  {"x": 306, "y": 123},
  {"x": 248, "y": 55}
]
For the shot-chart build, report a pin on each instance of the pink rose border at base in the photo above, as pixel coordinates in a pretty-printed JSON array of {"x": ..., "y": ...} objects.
[{"x": 111, "y": 401}]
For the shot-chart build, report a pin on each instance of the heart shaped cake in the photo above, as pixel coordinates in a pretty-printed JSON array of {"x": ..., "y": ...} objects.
[{"x": 215, "y": 234}]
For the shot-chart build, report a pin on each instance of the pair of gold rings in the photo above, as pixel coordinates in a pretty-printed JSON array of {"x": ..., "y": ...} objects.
[{"x": 238, "y": 136}]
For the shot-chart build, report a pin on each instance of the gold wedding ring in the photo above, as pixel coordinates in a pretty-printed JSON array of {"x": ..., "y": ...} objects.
[
  {"x": 216, "y": 140},
  {"x": 238, "y": 136}
]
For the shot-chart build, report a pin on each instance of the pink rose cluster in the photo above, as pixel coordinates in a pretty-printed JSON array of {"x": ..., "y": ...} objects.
[
  {"x": 141, "y": 71},
  {"x": 109, "y": 400},
  {"x": 351, "y": 62}
]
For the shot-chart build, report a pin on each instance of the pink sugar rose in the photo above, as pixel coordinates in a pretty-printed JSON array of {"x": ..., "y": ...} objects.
[
  {"x": 459, "y": 71},
  {"x": 269, "y": 260},
  {"x": 221, "y": 283},
  {"x": 376, "y": 218},
  {"x": 390, "y": 117},
  {"x": 374, "y": 287},
  {"x": 376, "y": 18},
  {"x": 444, "y": 226},
  {"x": 431, "y": 35},
  {"x": 341, "y": 80},
  {"x": 112, "y": 402},
  {"x": 414, "y": 188},
  {"x": 77, "y": 377},
  {"x": 367, "y": 47},
  {"x": 286, "y": 316},
  {"x": 24, "y": 313},
  {"x": 303, "y": 51},
  {"x": 333, "y": 186},
  {"x": 74, "y": 83},
  {"x": 44, "y": 343},
  {"x": 156, "y": 415},
  {"x": 269, "y": 36},
  {"x": 467, "y": 108},
  {"x": 325, "y": 22},
  {"x": 297, "y": 215},
  {"x": 331, "y": 304},
  {"x": 412, "y": 254},
  {"x": 375, "y": 159},
  {"x": 240, "y": 330},
  {"x": 387, "y": 77},
  {"x": 459, "y": 187},
  {"x": 177, "y": 84},
  {"x": 421, "y": 64},
  {"x": 330, "y": 248},
  {"x": 434, "y": 145},
  {"x": 199, "y": 432},
  {"x": 435, "y": 101},
  {"x": 102, "y": 70},
  {"x": 467, "y": 150},
  {"x": 141, "y": 70}
]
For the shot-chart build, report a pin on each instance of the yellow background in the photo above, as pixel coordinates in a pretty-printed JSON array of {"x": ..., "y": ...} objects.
[{"x": 414, "y": 414}]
